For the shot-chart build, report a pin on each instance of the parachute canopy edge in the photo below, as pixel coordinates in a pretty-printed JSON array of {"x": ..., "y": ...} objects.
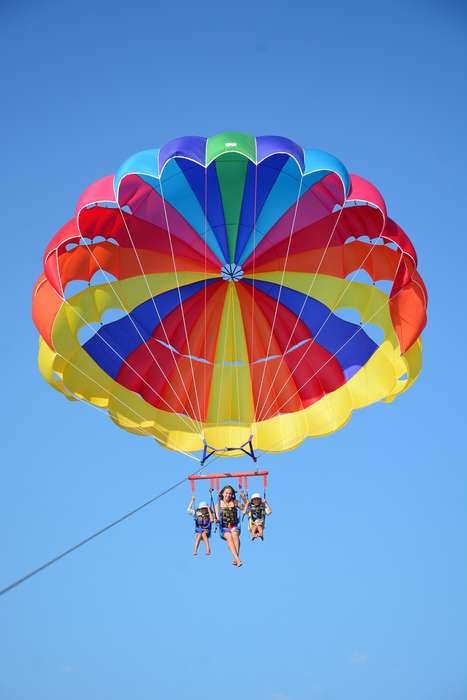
[
  {"x": 143, "y": 163},
  {"x": 175, "y": 346}
]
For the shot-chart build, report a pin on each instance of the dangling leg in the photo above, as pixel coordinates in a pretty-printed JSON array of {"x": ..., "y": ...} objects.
[
  {"x": 206, "y": 542},
  {"x": 260, "y": 531},
  {"x": 236, "y": 541},
  {"x": 231, "y": 545},
  {"x": 197, "y": 541}
]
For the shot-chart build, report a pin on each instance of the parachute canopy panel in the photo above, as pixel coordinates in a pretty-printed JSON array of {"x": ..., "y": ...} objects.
[{"x": 227, "y": 287}]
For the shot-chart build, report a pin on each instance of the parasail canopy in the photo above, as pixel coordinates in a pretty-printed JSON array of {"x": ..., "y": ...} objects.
[{"x": 230, "y": 290}]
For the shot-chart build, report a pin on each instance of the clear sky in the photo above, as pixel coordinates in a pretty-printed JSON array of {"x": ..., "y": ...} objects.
[{"x": 358, "y": 592}]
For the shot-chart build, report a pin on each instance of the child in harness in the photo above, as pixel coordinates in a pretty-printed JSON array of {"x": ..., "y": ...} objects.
[
  {"x": 204, "y": 518},
  {"x": 257, "y": 509}
]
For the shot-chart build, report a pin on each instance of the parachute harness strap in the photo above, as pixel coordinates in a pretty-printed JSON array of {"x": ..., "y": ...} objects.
[
  {"x": 211, "y": 504},
  {"x": 247, "y": 448},
  {"x": 245, "y": 478}
]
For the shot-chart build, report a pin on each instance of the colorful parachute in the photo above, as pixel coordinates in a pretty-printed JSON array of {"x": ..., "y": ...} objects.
[{"x": 227, "y": 287}]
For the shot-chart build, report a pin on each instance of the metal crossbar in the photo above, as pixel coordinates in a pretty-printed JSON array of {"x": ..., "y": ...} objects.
[{"x": 247, "y": 448}]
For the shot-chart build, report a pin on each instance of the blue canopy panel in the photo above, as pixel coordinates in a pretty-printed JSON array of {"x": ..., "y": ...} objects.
[
  {"x": 115, "y": 341},
  {"x": 260, "y": 180},
  {"x": 191, "y": 147},
  {"x": 346, "y": 341},
  {"x": 184, "y": 185}
]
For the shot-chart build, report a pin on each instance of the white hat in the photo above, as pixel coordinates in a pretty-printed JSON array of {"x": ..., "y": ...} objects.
[
  {"x": 202, "y": 504},
  {"x": 255, "y": 495}
]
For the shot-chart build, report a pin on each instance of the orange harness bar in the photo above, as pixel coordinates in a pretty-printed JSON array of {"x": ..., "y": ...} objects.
[{"x": 215, "y": 478}]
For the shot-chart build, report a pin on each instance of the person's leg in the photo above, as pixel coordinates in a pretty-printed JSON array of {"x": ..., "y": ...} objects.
[
  {"x": 236, "y": 541},
  {"x": 197, "y": 541},
  {"x": 206, "y": 542},
  {"x": 231, "y": 546},
  {"x": 259, "y": 530}
]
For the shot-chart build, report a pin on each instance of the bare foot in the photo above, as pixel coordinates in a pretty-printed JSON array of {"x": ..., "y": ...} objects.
[
  {"x": 195, "y": 553},
  {"x": 208, "y": 554},
  {"x": 239, "y": 563}
]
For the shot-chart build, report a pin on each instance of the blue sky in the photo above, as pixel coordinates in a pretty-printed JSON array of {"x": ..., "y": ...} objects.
[{"x": 359, "y": 590}]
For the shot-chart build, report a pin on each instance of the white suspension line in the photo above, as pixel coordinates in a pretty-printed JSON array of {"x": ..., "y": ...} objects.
[
  {"x": 297, "y": 201},
  {"x": 359, "y": 329},
  {"x": 200, "y": 422},
  {"x": 123, "y": 403},
  {"x": 264, "y": 403},
  {"x": 332, "y": 309},
  {"x": 326, "y": 319},
  {"x": 161, "y": 322},
  {"x": 232, "y": 294},
  {"x": 206, "y": 394},
  {"x": 143, "y": 379},
  {"x": 225, "y": 312},
  {"x": 128, "y": 313},
  {"x": 255, "y": 214}
]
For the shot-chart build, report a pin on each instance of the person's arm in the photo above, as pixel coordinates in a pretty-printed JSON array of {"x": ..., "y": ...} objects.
[
  {"x": 190, "y": 508},
  {"x": 267, "y": 508},
  {"x": 216, "y": 510},
  {"x": 244, "y": 508}
]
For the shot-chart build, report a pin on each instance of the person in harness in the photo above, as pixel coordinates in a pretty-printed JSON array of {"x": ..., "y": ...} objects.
[
  {"x": 227, "y": 514},
  {"x": 204, "y": 518},
  {"x": 257, "y": 509}
]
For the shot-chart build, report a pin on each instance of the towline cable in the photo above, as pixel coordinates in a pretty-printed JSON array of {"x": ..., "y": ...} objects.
[{"x": 93, "y": 536}]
